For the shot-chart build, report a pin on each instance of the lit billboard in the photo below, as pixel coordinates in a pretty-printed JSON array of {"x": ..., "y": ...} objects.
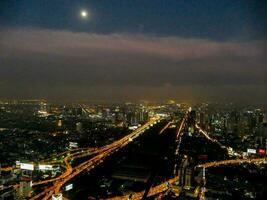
[
  {"x": 26, "y": 166},
  {"x": 68, "y": 187},
  {"x": 252, "y": 151},
  {"x": 73, "y": 144},
  {"x": 262, "y": 151},
  {"x": 45, "y": 167}
]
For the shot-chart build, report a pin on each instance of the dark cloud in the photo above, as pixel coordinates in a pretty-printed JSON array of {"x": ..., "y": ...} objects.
[{"x": 48, "y": 63}]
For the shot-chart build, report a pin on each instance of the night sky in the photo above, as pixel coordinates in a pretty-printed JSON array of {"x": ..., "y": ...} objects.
[{"x": 208, "y": 50}]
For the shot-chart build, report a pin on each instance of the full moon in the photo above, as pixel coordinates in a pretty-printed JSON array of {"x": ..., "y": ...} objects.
[{"x": 84, "y": 14}]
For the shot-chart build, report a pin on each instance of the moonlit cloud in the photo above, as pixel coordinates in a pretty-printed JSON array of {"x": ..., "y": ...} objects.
[
  {"x": 175, "y": 48},
  {"x": 84, "y": 61}
]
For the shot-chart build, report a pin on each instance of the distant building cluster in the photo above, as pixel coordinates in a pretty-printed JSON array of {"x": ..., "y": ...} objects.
[{"x": 241, "y": 127}]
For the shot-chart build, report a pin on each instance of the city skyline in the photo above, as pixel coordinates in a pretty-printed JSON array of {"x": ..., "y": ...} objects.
[
  {"x": 128, "y": 51},
  {"x": 132, "y": 151}
]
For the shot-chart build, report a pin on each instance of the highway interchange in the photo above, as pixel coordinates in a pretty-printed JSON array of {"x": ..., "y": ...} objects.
[{"x": 99, "y": 156}]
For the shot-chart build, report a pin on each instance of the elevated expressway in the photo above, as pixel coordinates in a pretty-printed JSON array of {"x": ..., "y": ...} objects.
[
  {"x": 100, "y": 155},
  {"x": 163, "y": 187}
]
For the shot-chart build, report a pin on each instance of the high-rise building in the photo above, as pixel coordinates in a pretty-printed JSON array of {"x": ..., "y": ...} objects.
[
  {"x": 59, "y": 123},
  {"x": 192, "y": 117},
  {"x": 43, "y": 106},
  {"x": 201, "y": 119},
  {"x": 79, "y": 127},
  {"x": 25, "y": 189},
  {"x": 188, "y": 177}
]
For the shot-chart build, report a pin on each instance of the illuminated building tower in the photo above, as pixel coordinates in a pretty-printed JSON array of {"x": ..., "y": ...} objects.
[
  {"x": 192, "y": 117},
  {"x": 43, "y": 111},
  {"x": 79, "y": 127},
  {"x": 25, "y": 189},
  {"x": 259, "y": 117},
  {"x": 59, "y": 123},
  {"x": 57, "y": 196},
  {"x": 43, "y": 106},
  {"x": 143, "y": 115},
  {"x": 79, "y": 111},
  {"x": 188, "y": 177},
  {"x": 203, "y": 189},
  {"x": 117, "y": 115},
  {"x": 234, "y": 120},
  {"x": 131, "y": 118},
  {"x": 201, "y": 120}
]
